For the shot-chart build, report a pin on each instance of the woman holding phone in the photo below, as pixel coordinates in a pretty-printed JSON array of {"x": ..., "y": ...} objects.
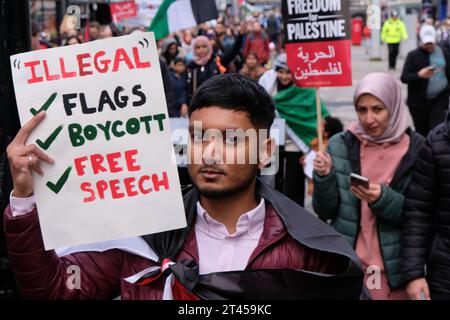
[{"x": 382, "y": 149}]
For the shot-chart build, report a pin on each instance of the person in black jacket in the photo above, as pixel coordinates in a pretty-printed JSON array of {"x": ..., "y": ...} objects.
[
  {"x": 170, "y": 50},
  {"x": 172, "y": 107},
  {"x": 427, "y": 72},
  {"x": 207, "y": 64},
  {"x": 426, "y": 233}
]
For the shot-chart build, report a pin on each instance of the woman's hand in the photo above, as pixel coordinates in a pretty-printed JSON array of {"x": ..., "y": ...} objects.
[
  {"x": 323, "y": 164},
  {"x": 370, "y": 195}
]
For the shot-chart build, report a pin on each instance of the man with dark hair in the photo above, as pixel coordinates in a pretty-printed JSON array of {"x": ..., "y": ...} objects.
[
  {"x": 35, "y": 36},
  {"x": 238, "y": 229},
  {"x": 94, "y": 30},
  {"x": 236, "y": 92}
]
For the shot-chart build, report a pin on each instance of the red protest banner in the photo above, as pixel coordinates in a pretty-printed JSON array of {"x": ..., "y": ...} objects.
[
  {"x": 318, "y": 44},
  {"x": 321, "y": 64},
  {"x": 122, "y": 10}
]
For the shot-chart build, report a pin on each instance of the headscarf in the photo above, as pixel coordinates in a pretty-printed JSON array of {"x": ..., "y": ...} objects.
[
  {"x": 388, "y": 90},
  {"x": 205, "y": 59}
]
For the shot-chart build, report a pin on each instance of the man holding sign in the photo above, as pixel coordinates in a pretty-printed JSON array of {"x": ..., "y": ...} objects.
[
  {"x": 234, "y": 222},
  {"x": 298, "y": 107}
]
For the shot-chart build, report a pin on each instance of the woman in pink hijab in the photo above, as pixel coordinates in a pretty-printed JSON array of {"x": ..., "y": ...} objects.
[
  {"x": 381, "y": 148},
  {"x": 206, "y": 63}
]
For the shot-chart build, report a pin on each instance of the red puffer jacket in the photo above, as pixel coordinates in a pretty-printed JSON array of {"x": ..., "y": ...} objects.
[
  {"x": 257, "y": 42},
  {"x": 41, "y": 274}
]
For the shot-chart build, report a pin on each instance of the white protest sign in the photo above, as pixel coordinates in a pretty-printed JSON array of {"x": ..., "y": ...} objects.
[{"x": 108, "y": 130}]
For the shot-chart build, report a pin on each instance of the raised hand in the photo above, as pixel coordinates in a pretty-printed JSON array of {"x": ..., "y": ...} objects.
[{"x": 24, "y": 158}]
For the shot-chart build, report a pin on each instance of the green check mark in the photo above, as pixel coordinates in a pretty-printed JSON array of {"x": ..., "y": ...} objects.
[
  {"x": 46, "y": 144},
  {"x": 45, "y": 106},
  {"x": 60, "y": 183}
]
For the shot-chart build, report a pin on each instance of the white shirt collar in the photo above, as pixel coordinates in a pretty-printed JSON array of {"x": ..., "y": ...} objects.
[{"x": 248, "y": 223}]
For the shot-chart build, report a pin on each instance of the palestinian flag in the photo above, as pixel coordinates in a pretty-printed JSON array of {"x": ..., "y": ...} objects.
[
  {"x": 247, "y": 7},
  {"x": 175, "y": 15},
  {"x": 298, "y": 107}
]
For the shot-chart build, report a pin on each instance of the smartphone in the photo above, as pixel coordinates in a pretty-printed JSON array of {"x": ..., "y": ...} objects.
[{"x": 357, "y": 180}]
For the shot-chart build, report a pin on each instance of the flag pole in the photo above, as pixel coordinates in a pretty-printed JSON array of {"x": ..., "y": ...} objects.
[{"x": 319, "y": 120}]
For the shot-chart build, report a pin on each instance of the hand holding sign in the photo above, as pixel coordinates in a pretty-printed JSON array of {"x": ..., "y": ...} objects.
[{"x": 23, "y": 158}]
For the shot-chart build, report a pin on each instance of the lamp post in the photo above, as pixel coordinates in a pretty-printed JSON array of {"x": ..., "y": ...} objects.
[{"x": 374, "y": 23}]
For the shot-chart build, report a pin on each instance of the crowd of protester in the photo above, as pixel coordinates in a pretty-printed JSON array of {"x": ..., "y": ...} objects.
[{"x": 399, "y": 223}]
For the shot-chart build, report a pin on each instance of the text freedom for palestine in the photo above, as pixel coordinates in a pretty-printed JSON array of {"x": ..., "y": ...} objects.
[
  {"x": 296, "y": 7},
  {"x": 329, "y": 29}
]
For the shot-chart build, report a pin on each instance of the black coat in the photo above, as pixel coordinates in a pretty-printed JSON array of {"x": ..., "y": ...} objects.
[
  {"x": 426, "y": 234},
  {"x": 269, "y": 284},
  {"x": 417, "y": 87},
  {"x": 174, "y": 110}
]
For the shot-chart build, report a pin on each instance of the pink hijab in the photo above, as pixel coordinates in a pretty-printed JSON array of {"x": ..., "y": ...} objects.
[
  {"x": 205, "y": 59},
  {"x": 385, "y": 88}
]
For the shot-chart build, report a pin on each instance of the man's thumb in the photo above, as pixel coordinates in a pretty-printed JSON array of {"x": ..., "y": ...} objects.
[{"x": 426, "y": 291}]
